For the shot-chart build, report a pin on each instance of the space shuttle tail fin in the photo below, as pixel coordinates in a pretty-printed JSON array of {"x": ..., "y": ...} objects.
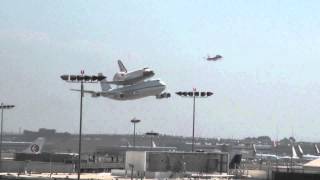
[{"x": 121, "y": 66}]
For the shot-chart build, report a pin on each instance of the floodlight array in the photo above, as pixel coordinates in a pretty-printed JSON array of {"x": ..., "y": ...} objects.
[
  {"x": 2, "y": 106},
  {"x": 135, "y": 120},
  {"x": 194, "y": 93},
  {"x": 83, "y": 78},
  {"x": 152, "y": 133}
]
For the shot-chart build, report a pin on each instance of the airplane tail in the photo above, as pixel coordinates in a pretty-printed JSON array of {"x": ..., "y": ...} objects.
[
  {"x": 121, "y": 66},
  {"x": 254, "y": 149},
  {"x": 316, "y": 149},
  {"x": 154, "y": 144},
  {"x": 36, "y": 146},
  {"x": 128, "y": 144},
  {"x": 105, "y": 86},
  {"x": 294, "y": 153},
  {"x": 300, "y": 151}
]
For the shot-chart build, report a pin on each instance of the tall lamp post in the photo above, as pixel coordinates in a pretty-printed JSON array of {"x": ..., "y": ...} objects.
[
  {"x": 152, "y": 134},
  {"x": 134, "y": 121},
  {"x": 3, "y": 107},
  {"x": 194, "y": 94},
  {"x": 81, "y": 79}
]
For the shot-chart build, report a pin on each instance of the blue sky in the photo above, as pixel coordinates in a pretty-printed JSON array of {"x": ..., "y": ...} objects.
[{"x": 267, "y": 79}]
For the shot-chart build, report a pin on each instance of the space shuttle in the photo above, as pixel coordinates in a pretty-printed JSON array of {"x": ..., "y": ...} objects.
[
  {"x": 132, "y": 85},
  {"x": 125, "y": 77}
]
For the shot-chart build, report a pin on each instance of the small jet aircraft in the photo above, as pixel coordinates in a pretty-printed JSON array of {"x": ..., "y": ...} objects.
[
  {"x": 215, "y": 58},
  {"x": 128, "y": 78},
  {"x": 130, "y": 92}
]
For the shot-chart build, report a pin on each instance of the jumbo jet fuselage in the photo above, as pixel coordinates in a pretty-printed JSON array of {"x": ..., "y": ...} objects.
[
  {"x": 131, "y": 92},
  {"x": 136, "y": 91}
]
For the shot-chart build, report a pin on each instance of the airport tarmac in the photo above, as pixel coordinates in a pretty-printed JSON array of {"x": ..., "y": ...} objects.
[
  {"x": 101, "y": 176},
  {"x": 84, "y": 176},
  {"x": 91, "y": 176}
]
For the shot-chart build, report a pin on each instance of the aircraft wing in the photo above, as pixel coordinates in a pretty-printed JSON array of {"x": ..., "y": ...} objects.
[
  {"x": 94, "y": 93},
  {"x": 90, "y": 91},
  {"x": 85, "y": 91}
]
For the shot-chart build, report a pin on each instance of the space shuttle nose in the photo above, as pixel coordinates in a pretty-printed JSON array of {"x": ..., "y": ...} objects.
[
  {"x": 162, "y": 83},
  {"x": 148, "y": 73}
]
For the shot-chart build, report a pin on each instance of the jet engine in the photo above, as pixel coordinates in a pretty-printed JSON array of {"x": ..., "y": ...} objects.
[{"x": 163, "y": 95}]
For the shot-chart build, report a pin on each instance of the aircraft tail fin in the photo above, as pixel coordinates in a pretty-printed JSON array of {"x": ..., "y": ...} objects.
[
  {"x": 128, "y": 144},
  {"x": 254, "y": 149},
  {"x": 154, "y": 144},
  {"x": 294, "y": 153},
  {"x": 300, "y": 151},
  {"x": 105, "y": 86},
  {"x": 36, "y": 146},
  {"x": 121, "y": 66},
  {"x": 316, "y": 149}
]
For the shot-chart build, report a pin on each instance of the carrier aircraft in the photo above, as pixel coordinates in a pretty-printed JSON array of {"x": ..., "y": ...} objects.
[{"x": 130, "y": 92}]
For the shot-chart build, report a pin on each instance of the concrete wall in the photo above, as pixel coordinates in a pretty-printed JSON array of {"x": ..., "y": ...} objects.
[
  {"x": 38, "y": 167},
  {"x": 167, "y": 164},
  {"x": 12, "y": 166},
  {"x": 187, "y": 162}
]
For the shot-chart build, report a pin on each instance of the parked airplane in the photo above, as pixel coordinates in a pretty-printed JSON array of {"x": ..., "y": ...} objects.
[
  {"x": 215, "y": 58},
  {"x": 307, "y": 156},
  {"x": 263, "y": 156},
  {"x": 131, "y": 92},
  {"x": 128, "y": 78},
  {"x": 12, "y": 148}
]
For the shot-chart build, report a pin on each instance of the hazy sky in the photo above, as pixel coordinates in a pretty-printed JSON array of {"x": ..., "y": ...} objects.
[{"x": 268, "y": 78}]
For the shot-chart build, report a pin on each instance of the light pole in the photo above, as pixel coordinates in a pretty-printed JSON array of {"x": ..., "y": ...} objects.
[
  {"x": 134, "y": 121},
  {"x": 81, "y": 79},
  {"x": 194, "y": 94},
  {"x": 3, "y": 107},
  {"x": 152, "y": 134}
]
